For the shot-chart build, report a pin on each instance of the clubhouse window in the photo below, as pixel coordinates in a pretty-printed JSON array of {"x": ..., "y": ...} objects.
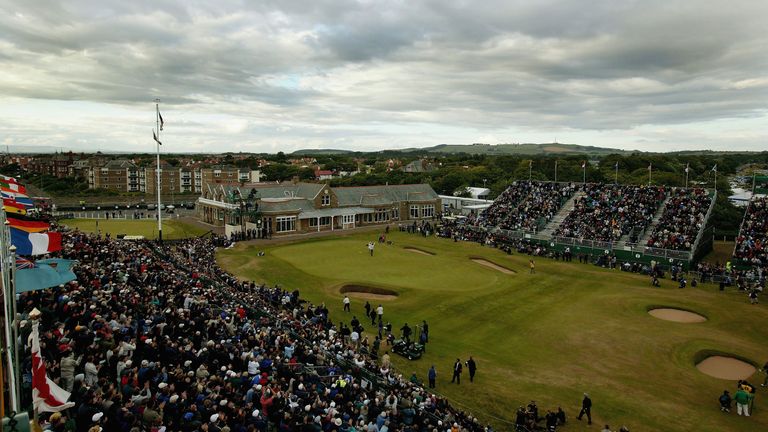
[
  {"x": 381, "y": 215},
  {"x": 395, "y": 213},
  {"x": 324, "y": 221},
  {"x": 285, "y": 223},
  {"x": 414, "y": 212},
  {"x": 326, "y": 200},
  {"x": 349, "y": 219},
  {"x": 428, "y": 210}
]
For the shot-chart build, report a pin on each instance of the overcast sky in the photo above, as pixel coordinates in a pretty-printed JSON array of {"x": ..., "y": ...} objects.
[{"x": 374, "y": 74}]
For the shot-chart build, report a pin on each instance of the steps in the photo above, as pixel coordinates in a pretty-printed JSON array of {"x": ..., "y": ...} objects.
[
  {"x": 556, "y": 220},
  {"x": 648, "y": 231}
]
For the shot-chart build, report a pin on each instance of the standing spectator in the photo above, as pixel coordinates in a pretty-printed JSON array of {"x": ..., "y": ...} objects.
[
  {"x": 457, "y": 368},
  {"x": 472, "y": 367},
  {"x": 742, "y": 402},
  {"x": 586, "y": 409},
  {"x": 380, "y": 312},
  {"x": 370, "y": 247},
  {"x": 406, "y": 333},
  {"x": 432, "y": 375},
  {"x": 533, "y": 266},
  {"x": 725, "y": 401},
  {"x": 346, "y": 304}
]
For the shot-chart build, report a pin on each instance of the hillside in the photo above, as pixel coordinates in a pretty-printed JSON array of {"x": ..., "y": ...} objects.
[{"x": 521, "y": 149}]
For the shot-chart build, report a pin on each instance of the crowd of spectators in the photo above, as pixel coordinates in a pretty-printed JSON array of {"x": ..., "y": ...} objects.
[
  {"x": 607, "y": 212},
  {"x": 752, "y": 243},
  {"x": 524, "y": 204},
  {"x": 156, "y": 338},
  {"x": 682, "y": 219}
]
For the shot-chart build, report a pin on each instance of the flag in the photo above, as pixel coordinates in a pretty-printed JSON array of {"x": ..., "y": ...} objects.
[
  {"x": 18, "y": 197},
  {"x": 650, "y": 166},
  {"x": 28, "y": 225},
  {"x": 686, "y": 168},
  {"x": 155, "y": 137},
  {"x": 161, "y": 120},
  {"x": 714, "y": 168},
  {"x": 35, "y": 243},
  {"x": 8, "y": 179},
  {"x": 617, "y": 165},
  {"x": 43, "y": 274},
  {"x": 14, "y": 208},
  {"x": 583, "y": 165},
  {"x": 46, "y": 395},
  {"x": 12, "y": 187},
  {"x": 530, "y": 163}
]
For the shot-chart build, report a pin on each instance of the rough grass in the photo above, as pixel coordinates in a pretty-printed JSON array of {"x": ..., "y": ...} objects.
[
  {"x": 721, "y": 253},
  {"x": 172, "y": 229},
  {"x": 550, "y": 336}
]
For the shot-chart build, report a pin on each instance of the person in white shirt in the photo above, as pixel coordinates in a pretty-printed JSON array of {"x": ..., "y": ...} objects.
[{"x": 346, "y": 304}]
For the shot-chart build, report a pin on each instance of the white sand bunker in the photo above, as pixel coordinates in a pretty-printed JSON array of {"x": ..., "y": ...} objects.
[
  {"x": 677, "y": 315},
  {"x": 368, "y": 292},
  {"x": 485, "y": 262},
  {"x": 727, "y": 368},
  {"x": 418, "y": 251}
]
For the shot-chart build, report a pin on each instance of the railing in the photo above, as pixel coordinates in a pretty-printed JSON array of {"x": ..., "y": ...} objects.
[{"x": 695, "y": 245}]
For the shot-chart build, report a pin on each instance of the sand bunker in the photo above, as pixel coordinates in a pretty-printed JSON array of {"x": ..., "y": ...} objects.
[
  {"x": 677, "y": 315},
  {"x": 727, "y": 368},
  {"x": 485, "y": 262},
  {"x": 418, "y": 251},
  {"x": 368, "y": 292}
]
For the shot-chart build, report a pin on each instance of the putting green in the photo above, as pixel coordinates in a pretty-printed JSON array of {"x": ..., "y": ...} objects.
[{"x": 568, "y": 329}]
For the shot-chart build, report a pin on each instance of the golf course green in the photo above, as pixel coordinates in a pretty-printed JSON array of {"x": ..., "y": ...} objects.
[{"x": 569, "y": 328}]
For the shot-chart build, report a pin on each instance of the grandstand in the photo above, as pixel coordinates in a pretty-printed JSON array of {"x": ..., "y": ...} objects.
[
  {"x": 636, "y": 223},
  {"x": 751, "y": 243}
]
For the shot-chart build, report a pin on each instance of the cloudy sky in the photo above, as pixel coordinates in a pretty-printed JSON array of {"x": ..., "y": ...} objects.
[{"x": 374, "y": 74}]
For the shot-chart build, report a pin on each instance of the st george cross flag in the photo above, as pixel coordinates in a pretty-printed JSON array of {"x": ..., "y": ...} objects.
[
  {"x": 46, "y": 395},
  {"x": 35, "y": 243}
]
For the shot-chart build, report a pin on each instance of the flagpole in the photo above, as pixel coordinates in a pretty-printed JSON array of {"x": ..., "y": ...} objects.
[
  {"x": 158, "y": 174},
  {"x": 650, "y": 169},
  {"x": 530, "y": 169},
  {"x": 555, "y": 170},
  {"x": 9, "y": 298},
  {"x": 686, "y": 175},
  {"x": 584, "y": 169},
  {"x": 617, "y": 174}
]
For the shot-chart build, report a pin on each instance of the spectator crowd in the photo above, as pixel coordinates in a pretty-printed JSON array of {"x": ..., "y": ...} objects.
[
  {"x": 683, "y": 218},
  {"x": 752, "y": 243},
  {"x": 607, "y": 212},
  {"x": 526, "y": 205},
  {"x": 156, "y": 338}
]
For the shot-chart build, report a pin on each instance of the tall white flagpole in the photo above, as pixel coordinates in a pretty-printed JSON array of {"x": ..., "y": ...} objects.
[
  {"x": 555, "y": 170},
  {"x": 158, "y": 173}
]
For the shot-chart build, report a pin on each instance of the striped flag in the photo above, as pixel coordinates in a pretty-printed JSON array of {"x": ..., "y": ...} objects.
[
  {"x": 8, "y": 179},
  {"x": 46, "y": 395},
  {"x": 28, "y": 225},
  {"x": 35, "y": 243},
  {"x": 11, "y": 206},
  {"x": 12, "y": 187}
]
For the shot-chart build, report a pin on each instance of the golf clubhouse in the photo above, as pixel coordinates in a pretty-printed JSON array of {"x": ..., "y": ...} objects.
[{"x": 290, "y": 208}]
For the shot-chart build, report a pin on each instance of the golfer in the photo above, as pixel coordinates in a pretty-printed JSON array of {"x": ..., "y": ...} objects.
[{"x": 370, "y": 247}]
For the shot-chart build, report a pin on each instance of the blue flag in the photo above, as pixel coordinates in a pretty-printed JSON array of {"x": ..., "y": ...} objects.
[{"x": 44, "y": 274}]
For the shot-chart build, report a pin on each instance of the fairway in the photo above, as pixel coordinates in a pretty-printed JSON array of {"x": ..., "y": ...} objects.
[
  {"x": 550, "y": 336},
  {"x": 172, "y": 229}
]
